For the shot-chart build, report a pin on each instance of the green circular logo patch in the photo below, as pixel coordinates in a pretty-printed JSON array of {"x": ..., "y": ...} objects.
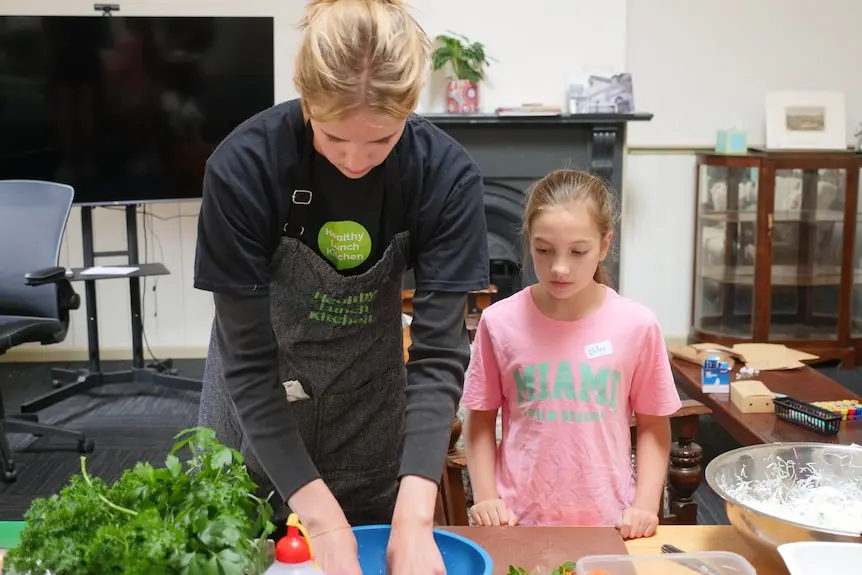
[{"x": 346, "y": 244}]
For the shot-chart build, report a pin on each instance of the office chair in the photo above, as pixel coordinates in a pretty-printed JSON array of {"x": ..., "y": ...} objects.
[{"x": 35, "y": 295}]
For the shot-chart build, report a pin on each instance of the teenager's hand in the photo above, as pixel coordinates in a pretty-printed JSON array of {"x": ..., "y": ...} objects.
[
  {"x": 492, "y": 512},
  {"x": 412, "y": 550},
  {"x": 336, "y": 552},
  {"x": 333, "y": 543},
  {"x": 635, "y": 522}
]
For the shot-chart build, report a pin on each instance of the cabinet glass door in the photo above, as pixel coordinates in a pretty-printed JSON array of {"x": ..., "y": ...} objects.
[
  {"x": 856, "y": 294},
  {"x": 725, "y": 250},
  {"x": 807, "y": 245}
]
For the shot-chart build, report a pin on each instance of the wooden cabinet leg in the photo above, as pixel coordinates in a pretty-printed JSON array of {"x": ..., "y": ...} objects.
[{"x": 685, "y": 473}]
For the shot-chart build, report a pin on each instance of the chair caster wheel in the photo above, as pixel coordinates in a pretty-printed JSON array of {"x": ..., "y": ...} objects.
[
  {"x": 9, "y": 475},
  {"x": 86, "y": 446}
]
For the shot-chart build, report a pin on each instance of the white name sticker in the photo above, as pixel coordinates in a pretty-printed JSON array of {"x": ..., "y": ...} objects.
[{"x": 599, "y": 349}]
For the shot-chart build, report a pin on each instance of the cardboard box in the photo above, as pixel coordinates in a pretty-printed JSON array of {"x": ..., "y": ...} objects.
[
  {"x": 759, "y": 356},
  {"x": 751, "y": 396},
  {"x": 699, "y": 352}
]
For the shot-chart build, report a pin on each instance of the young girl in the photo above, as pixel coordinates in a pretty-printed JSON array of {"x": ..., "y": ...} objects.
[{"x": 568, "y": 360}]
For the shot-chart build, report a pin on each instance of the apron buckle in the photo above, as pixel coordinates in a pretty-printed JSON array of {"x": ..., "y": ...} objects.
[
  {"x": 302, "y": 197},
  {"x": 301, "y": 229}
]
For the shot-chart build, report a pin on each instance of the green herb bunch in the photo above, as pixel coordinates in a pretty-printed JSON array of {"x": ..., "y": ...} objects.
[{"x": 200, "y": 517}]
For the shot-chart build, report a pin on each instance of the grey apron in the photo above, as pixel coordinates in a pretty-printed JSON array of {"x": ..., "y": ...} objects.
[{"x": 340, "y": 337}]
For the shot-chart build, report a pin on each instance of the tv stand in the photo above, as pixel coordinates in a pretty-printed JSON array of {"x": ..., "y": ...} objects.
[{"x": 81, "y": 381}]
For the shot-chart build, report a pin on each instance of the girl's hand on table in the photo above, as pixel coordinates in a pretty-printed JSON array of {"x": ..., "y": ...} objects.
[
  {"x": 634, "y": 523},
  {"x": 492, "y": 512}
]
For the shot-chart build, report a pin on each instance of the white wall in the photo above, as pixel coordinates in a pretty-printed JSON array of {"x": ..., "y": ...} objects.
[{"x": 688, "y": 69}]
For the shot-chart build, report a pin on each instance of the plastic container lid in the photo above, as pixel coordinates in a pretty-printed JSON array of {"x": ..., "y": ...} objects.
[{"x": 706, "y": 562}]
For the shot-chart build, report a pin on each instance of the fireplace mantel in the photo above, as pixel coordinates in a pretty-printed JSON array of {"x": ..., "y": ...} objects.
[
  {"x": 444, "y": 120},
  {"x": 515, "y": 151}
]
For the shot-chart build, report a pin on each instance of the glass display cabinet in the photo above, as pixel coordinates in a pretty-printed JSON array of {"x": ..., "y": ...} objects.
[{"x": 778, "y": 253}]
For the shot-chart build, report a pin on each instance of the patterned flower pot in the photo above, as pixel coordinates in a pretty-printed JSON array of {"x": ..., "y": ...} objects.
[{"x": 462, "y": 97}]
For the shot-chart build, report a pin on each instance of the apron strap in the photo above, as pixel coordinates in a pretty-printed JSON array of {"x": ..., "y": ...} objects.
[{"x": 302, "y": 195}]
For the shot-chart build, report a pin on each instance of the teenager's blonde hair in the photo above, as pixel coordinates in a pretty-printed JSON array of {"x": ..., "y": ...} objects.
[
  {"x": 565, "y": 187},
  {"x": 360, "y": 54}
]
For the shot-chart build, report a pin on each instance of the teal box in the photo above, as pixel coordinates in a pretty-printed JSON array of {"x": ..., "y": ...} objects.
[{"x": 731, "y": 142}]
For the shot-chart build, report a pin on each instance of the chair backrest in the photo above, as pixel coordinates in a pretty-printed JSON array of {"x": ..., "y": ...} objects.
[{"x": 33, "y": 216}]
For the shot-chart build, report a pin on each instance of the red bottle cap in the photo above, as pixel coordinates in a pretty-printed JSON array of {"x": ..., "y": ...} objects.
[{"x": 292, "y": 548}]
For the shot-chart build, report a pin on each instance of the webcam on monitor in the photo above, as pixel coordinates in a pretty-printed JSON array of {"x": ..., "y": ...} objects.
[{"x": 106, "y": 9}]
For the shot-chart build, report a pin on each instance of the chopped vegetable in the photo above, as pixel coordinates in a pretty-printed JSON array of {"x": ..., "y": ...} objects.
[
  {"x": 567, "y": 568},
  {"x": 200, "y": 517}
]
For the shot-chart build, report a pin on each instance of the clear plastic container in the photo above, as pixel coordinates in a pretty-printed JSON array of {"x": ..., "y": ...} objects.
[{"x": 706, "y": 563}]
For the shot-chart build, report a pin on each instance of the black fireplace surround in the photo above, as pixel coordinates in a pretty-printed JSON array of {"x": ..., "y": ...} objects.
[{"x": 513, "y": 152}]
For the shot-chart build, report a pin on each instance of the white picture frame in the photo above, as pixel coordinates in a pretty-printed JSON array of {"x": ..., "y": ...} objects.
[{"x": 806, "y": 120}]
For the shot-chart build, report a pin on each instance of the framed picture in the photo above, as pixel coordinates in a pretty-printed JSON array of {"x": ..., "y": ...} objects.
[
  {"x": 806, "y": 120},
  {"x": 602, "y": 94}
]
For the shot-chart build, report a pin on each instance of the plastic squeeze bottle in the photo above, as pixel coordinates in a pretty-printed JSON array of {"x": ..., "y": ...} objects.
[{"x": 293, "y": 552}]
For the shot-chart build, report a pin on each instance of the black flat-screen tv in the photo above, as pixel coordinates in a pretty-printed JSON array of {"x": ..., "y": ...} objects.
[{"x": 127, "y": 109}]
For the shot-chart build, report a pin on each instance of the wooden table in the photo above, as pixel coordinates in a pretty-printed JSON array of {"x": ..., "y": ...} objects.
[
  {"x": 702, "y": 538},
  {"x": 804, "y": 384},
  {"x": 552, "y": 546},
  {"x": 531, "y": 546}
]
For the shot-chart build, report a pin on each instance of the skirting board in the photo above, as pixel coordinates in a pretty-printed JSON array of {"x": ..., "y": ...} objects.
[
  {"x": 53, "y": 353},
  {"x": 49, "y": 354}
]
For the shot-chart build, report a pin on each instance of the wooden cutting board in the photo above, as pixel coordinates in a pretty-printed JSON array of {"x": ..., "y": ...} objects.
[{"x": 531, "y": 547}]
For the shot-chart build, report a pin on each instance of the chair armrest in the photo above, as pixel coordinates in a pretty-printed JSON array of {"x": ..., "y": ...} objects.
[
  {"x": 45, "y": 276},
  {"x": 66, "y": 296}
]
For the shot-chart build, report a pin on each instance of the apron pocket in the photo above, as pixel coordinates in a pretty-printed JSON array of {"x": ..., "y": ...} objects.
[{"x": 362, "y": 431}]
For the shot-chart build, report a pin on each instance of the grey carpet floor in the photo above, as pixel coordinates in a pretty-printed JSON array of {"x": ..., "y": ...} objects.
[
  {"x": 128, "y": 423},
  {"x": 131, "y": 423}
]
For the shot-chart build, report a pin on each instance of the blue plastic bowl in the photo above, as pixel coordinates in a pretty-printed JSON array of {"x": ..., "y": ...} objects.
[{"x": 460, "y": 555}]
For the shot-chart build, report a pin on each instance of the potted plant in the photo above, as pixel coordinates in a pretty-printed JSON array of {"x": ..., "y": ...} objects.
[{"x": 467, "y": 61}]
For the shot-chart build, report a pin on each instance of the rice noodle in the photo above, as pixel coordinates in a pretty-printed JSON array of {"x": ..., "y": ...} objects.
[{"x": 802, "y": 493}]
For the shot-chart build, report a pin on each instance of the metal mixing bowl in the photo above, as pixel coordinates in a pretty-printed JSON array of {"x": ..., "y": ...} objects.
[{"x": 763, "y": 532}]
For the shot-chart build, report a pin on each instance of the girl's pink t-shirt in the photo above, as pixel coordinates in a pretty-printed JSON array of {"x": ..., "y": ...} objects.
[{"x": 567, "y": 390}]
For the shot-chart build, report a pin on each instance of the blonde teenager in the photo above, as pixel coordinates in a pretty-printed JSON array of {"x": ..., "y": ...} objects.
[{"x": 313, "y": 211}]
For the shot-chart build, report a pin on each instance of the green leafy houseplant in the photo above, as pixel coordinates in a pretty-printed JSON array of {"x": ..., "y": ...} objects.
[
  {"x": 466, "y": 59},
  {"x": 198, "y": 517}
]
